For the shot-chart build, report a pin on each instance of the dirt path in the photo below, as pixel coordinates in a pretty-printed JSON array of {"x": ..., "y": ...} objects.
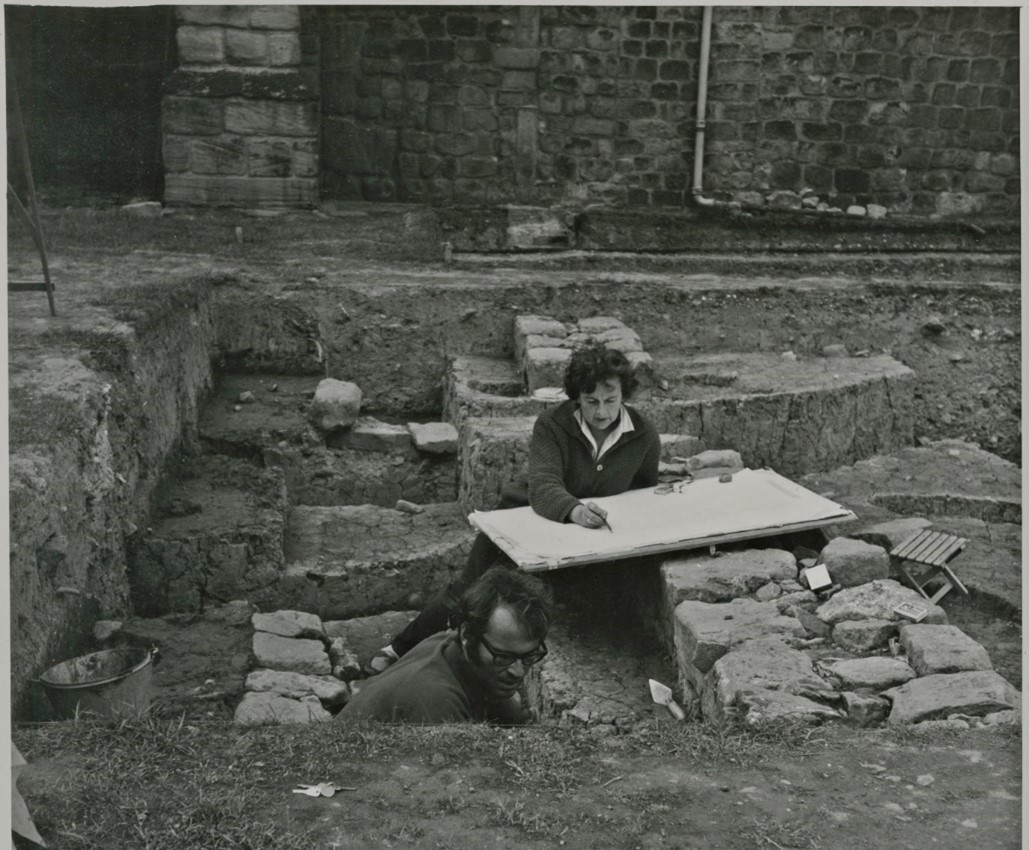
[{"x": 664, "y": 786}]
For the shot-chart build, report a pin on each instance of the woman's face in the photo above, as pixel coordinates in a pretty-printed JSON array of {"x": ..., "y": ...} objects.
[{"x": 601, "y": 408}]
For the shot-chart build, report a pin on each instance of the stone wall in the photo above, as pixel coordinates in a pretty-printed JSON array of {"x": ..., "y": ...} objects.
[
  {"x": 911, "y": 108},
  {"x": 240, "y": 114}
]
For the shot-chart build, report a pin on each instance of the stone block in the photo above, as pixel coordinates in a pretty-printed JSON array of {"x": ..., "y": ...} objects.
[
  {"x": 270, "y": 709},
  {"x": 240, "y": 191},
  {"x": 200, "y": 45},
  {"x": 762, "y": 663},
  {"x": 865, "y": 710},
  {"x": 732, "y": 575},
  {"x": 624, "y": 340},
  {"x": 761, "y": 707},
  {"x": 269, "y": 158},
  {"x": 525, "y": 326},
  {"x": 863, "y": 635},
  {"x": 598, "y": 324},
  {"x": 274, "y": 17},
  {"x": 494, "y": 450},
  {"x": 680, "y": 445},
  {"x": 298, "y": 655},
  {"x": 270, "y": 118},
  {"x": 876, "y": 601},
  {"x": 192, "y": 116},
  {"x": 854, "y": 562},
  {"x": 715, "y": 459},
  {"x": 288, "y": 624},
  {"x": 877, "y": 673},
  {"x": 283, "y": 49},
  {"x": 218, "y": 156},
  {"x": 434, "y": 437},
  {"x": 330, "y": 691},
  {"x": 336, "y": 404},
  {"x": 705, "y": 632},
  {"x": 972, "y": 694},
  {"x": 245, "y": 47},
  {"x": 516, "y": 58},
  {"x": 204, "y": 15},
  {"x": 545, "y": 367},
  {"x": 942, "y": 649},
  {"x": 812, "y": 624},
  {"x": 370, "y": 435}
]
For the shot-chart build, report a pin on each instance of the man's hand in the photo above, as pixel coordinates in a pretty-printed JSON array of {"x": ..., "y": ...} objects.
[{"x": 588, "y": 515}]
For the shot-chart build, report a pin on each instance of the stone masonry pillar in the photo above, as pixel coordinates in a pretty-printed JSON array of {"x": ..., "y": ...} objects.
[{"x": 240, "y": 113}]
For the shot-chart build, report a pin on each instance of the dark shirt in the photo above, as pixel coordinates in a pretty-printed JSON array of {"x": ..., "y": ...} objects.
[
  {"x": 562, "y": 471},
  {"x": 433, "y": 683}
]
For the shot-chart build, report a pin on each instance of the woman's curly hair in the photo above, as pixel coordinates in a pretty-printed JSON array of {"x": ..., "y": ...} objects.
[{"x": 595, "y": 363}]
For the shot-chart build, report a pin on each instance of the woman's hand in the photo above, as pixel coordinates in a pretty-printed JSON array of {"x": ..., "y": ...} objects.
[{"x": 588, "y": 515}]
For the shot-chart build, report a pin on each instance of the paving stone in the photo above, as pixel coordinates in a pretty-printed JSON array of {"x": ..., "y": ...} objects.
[
  {"x": 734, "y": 574},
  {"x": 875, "y": 601},
  {"x": 336, "y": 404},
  {"x": 298, "y": 655},
  {"x": 763, "y": 663},
  {"x": 942, "y": 649},
  {"x": 975, "y": 694},
  {"x": 545, "y": 367},
  {"x": 761, "y": 707},
  {"x": 330, "y": 691},
  {"x": 854, "y": 562},
  {"x": 863, "y": 635},
  {"x": 876, "y": 673},
  {"x": 434, "y": 437},
  {"x": 705, "y": 632},
  {"x": 370, "y": 435},
  {"x": 288, "y": 624},
  {"x": 269, "y": 709}
]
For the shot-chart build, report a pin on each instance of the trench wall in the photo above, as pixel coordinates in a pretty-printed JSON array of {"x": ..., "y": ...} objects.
[
  {"x": 911, "y": 108},
  {"x": 93, "y": 423}
]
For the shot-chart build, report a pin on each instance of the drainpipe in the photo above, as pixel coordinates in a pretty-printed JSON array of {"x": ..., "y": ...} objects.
[{"x": 698, "y": 147}]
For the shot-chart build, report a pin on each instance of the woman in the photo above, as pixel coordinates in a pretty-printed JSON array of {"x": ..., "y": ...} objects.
[{"x": 591, "y": 445}]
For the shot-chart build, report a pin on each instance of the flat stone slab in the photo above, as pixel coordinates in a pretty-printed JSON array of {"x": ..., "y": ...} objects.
[
  {"x": 354, "y": 560},
  {"x": 330, "y": 691},
  {"x": 941, "y": 695},
  {"x": 288, "y": 623},
  {"x": 705, "y": 632},
  {"x": 275, "y": 413},
  {"x": 438, "y": 438},
  {"x": 761, "y": 706},
  {"x": 297, "y": 655},
  {"x": 733, "y": 574},
  {"x": 942, "y": 649},
  {"x": 763, "y": 663},
  {"x": 368, "y": 434},
  {"x": 876, "y": 673},
  {"x": 217, "y": 535},
  {"x": 271, "y": 709},
  {"x": 876, "y": 601}
]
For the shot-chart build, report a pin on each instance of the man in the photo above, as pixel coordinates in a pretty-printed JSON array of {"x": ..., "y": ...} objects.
[{"x": 471, "y": 674}]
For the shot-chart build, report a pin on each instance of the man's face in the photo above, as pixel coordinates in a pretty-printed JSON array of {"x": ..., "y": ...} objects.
[{"x": 504, "y": 635}]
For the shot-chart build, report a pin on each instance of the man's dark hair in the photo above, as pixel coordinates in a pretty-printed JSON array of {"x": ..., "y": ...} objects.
[
  {"x": 595, "y": 363},
  {"x": 526, "y": 596}
]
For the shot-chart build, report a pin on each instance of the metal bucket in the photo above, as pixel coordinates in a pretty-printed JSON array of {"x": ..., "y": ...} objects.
[{"x": 110, "y": 684}]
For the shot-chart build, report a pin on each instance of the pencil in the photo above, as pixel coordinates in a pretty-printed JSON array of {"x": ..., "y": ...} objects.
[{"x": 609, "y": 528}]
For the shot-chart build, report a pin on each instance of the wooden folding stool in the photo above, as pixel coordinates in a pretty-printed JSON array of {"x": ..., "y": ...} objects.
[{"x": 924, "y": 557}]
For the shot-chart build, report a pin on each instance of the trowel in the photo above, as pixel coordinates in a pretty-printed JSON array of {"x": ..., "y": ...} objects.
[{"x": 662, "y": 695}]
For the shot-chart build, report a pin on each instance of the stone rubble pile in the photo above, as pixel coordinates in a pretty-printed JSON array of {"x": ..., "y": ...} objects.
[
  {"x": 752, "y": 643},
  {"x": 302, "y": 675}
]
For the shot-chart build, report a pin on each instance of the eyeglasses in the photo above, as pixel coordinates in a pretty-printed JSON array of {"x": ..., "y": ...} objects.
[{"x": 506, "y": 659}]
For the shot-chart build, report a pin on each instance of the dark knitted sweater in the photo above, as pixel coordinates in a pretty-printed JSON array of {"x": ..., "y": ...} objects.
[{"x": 562, "y": 471}]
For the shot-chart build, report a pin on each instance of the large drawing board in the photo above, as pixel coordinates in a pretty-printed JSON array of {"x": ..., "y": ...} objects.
[{"x": 756, "y": 503}]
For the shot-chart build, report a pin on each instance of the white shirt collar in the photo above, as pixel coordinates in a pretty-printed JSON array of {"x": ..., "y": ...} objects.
[{"x": 624, "y": 426}]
